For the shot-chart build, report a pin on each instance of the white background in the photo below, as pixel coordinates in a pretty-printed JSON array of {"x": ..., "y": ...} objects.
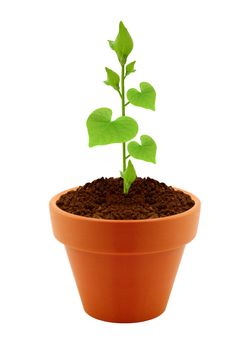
[{"x": 196, "y": 54}]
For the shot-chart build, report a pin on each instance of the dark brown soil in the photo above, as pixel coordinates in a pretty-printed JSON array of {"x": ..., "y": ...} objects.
[{"x": 104, "y": 198}]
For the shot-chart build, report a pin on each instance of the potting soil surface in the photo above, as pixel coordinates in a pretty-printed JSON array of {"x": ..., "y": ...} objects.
[{"x": 104, "y": 199}]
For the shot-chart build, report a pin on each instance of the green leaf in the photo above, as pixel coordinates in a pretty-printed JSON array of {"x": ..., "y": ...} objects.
[
  {"x": 113, "y": 79},
  {"x": 123, "y": 44},
  {"x": 103, "y": 131},
  {"x": 146, "y": 151},
  {"x": 130, "y": 68},
  {"x": 144, "y": 98},
  {"x": 129, "y": 176}
]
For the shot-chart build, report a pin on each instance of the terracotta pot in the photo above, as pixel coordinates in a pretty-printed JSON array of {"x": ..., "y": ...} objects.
[{"x": 124, "y": 269}]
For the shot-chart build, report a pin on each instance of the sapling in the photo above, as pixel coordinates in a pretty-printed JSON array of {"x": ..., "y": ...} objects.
[{"x": 103, "y": 131}]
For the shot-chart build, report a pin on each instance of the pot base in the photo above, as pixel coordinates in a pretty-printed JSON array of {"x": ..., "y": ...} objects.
[
  {"x": 124, "y": 288},
  {"x": 116, "y": 321}
]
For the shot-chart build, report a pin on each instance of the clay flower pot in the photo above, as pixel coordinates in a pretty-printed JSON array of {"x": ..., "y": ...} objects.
[{"x": 124, "y": 269}]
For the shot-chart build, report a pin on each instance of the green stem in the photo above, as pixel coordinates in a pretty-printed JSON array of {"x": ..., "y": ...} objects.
[{"x": 123, "y": 114}]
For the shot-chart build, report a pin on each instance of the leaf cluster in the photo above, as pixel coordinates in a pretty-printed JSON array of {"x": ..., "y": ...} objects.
[{"x": 102, "y": 130}]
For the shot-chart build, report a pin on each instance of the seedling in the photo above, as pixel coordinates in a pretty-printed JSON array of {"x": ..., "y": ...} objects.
[{"x": 103, "y": 131}]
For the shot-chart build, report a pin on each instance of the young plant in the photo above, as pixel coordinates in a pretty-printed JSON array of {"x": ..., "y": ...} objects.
[{"x": 104, "y": 131}]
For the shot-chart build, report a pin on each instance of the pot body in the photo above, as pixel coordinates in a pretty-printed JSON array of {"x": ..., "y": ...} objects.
[
  {"x": 124, "y": 269},
  {"x": 122, "y": 287}
]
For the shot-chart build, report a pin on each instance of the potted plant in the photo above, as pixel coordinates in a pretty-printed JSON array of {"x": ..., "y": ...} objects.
[{"x": 124, "y": 236}]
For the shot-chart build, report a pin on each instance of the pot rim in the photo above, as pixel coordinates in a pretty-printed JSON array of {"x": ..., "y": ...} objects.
[{"x": 86, "y": 218}]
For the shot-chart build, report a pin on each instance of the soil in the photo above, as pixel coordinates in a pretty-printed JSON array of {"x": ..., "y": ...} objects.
[{"x": 104, "y": 199}]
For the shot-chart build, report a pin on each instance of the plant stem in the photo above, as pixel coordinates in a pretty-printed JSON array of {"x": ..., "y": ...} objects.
[{"x": 123, "y": 114}]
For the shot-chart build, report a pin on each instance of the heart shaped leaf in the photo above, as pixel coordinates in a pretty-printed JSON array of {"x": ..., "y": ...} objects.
[
  {"x": 103, "y": 131},
  {"x": 146, "y": 151},
  {"x": 129, "y": 176},
  {"x": 130, "y": 68},
  {"x": 123, "y": 44},
  {"x": 113, "y": 79},
  {"x": 144, "y": 98}
]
